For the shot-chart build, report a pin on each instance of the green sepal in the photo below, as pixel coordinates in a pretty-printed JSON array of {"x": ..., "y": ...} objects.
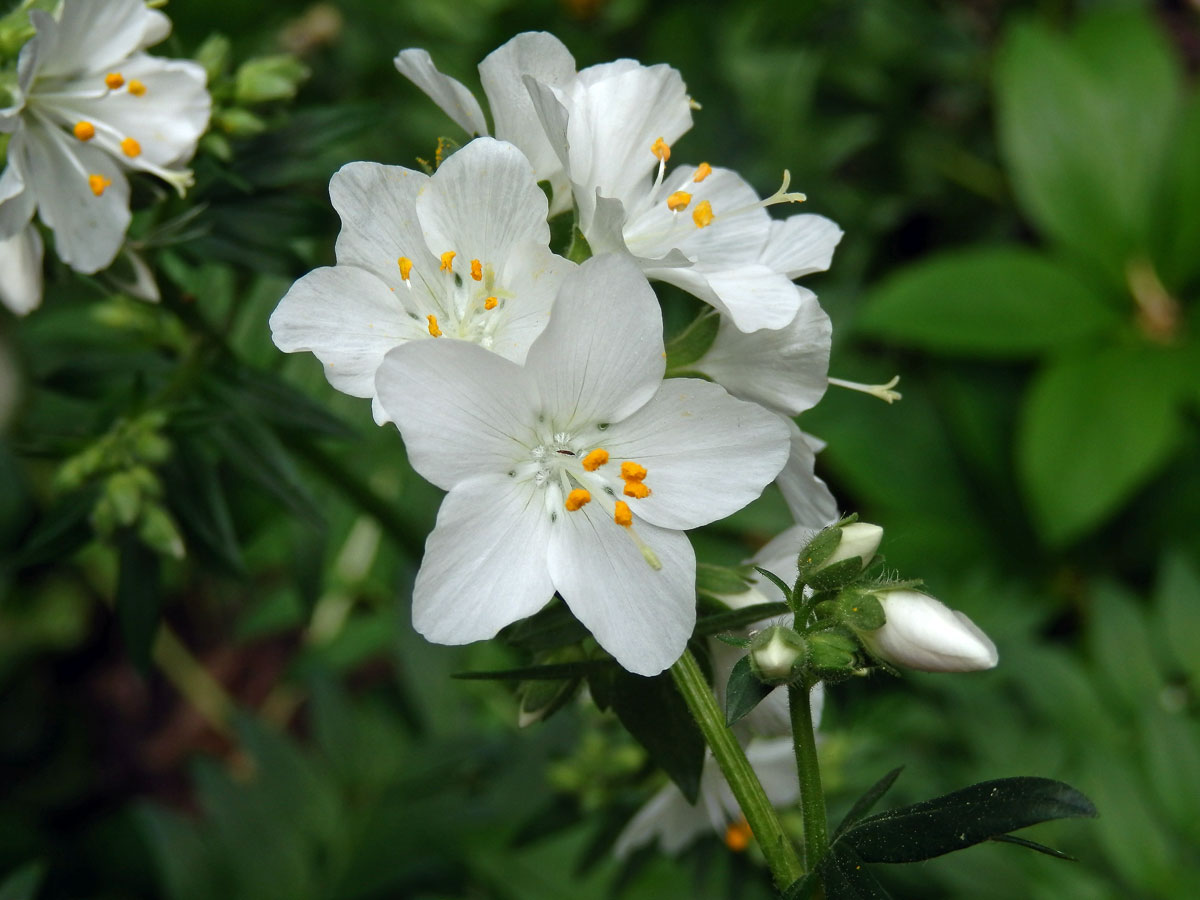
[
  {"x": 835, "y": 576},
  {"x": 733, "y": 640},
  {"x": 580, "y": 250},
  {"x": 816, "y": 551},
  {"x": 861, "y": 610},
  {"x": 832, "y": 652},
  {"x": 721, "y": 581},
  {"x": 694, "y": 341},
  {"x": 789, "y": 596}
]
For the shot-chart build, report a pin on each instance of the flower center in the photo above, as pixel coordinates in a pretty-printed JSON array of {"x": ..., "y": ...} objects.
[{"x": 458, "y": 301}]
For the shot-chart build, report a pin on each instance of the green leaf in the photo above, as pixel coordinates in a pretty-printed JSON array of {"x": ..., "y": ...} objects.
[
  {"x": 847, "y": 878},
  {"x": 1177, "y": 601},
  {"x": 23, "y": 883},
  {"x": 964, "y": 818},
  {"x": 652, "y": 710},
  {"x": 1118, "y": 631},
  {"x": 694, "y": 341},
  {"x": 554, "y": 626},
  {"x": 549, "y": 672},
  {"x": 867, "y": 801},
  {"x": 1001, "y": 302},
  {"x": 138, "y": 598},
  {"x": 737, "y": 618},
  {"x": 1095, "y": 426},
  {"x": 720, "y": 580},
  {"x": 1177, "y": 222},
  {"x": 1031, "y": 845},
  {"x": 1084, "y": 124},
  {"x": 744, "y": 692}
]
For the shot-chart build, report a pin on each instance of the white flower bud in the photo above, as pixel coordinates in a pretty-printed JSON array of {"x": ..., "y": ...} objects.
[
  {"x": 923, "y": 633},
  {"x": 776, "y": 654},
  {"x": 859, "y": 539}
]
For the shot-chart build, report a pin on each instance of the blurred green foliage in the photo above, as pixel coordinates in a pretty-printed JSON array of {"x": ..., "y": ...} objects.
[{"x": 1020, "y": 189}]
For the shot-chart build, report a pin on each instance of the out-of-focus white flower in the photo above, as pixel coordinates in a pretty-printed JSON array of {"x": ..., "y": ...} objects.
[
  {"x": 575, "y": 473},
  {"x": 461, "y": 254},
  {"x": 923, "y": 633},
  {"x": 90, "y": 106},
  {"x": 675, "y": 823},
  {"x": 21, "y": 270},
  {"x": 536, "y": 54}
]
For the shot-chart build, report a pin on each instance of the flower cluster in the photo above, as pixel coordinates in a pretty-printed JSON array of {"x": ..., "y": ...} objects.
[
  {"x": 537, "y": 391},
  {"x": 89, "y": 105}
]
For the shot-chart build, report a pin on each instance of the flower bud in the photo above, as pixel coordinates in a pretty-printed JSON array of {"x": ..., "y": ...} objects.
[
  {"x": 776, "y": 654},
  {"x": 838, "y": 554},
  {"x": 923, "y": 633}
]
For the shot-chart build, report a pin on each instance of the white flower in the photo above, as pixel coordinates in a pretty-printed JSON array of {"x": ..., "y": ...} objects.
[
  {"x": 90, "y": 106},
  {"x": 21, "y": 270},
  {"x": 923, "y": 633},
  {"x": 675, "y": 823},
  {"x": 536, "y": 54},
  {"x": 461, "y": 254},
  {"x": 576, "y": 473}
]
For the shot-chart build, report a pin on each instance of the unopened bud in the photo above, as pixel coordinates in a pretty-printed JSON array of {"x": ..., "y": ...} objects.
[
  {"x": 777, "y": 654},
  {"x": 832, "y": 652},
  {"x": 923, "y": 633},
  {"x": 838, "y": 554}
]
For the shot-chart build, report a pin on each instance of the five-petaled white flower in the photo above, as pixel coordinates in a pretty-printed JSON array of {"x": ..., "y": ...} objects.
[
  {"x": 91, "y": 105},
  {"x": 576, "y": 473},
  {"x": 463, "y": 254}
]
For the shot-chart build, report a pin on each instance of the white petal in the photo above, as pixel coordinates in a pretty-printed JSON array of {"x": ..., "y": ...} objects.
[
  {"x": 774, "y": 762},
  {"x": 808, "y": 498},
  {"x": 784, "y": 369},
  {"x": 533, "y": 275},
  {"x": 485, "y": 561},
  {"x": 448, "y": 93},
  {"x": 642, "y": 616},
  {"x": 348, "y": 319},
  {"x": 601, "y": 356},
  {"x": 462, "y": 410},
  {"x": 21, "y": 270},
  {"x": 667, "y": 817},
  {"x": 94, "y": 36},
  {"x": 482, "y": 202},
  {"x": 16, "y": 203},
  {"x": 378, "y": 208},
  {"x": 752, "y": 295},
  {"x": 166, "y": 121},
  {"x": 544, "y": 58},
  {"x": 707, "y": 454},
  {"x": 88, "y": 230},
  {"x": 800, "y": 245}
]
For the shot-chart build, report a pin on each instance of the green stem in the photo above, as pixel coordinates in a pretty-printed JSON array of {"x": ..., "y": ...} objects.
[
  {"x": 760, "y": 815},
  {"x": 812, "y": 800}
]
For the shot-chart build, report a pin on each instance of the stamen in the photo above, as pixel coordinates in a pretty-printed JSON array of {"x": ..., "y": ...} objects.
[
  {"x": 85, "y": 131},
  {"x": 702, "y": 215},
  {"x": 131, "y": 148},
  {"x": 448, "y": 261},
  {"x": 434, "y": 331},
  {"x": 491, "y": 303},
  {"x": 577, "y": 499},
  {"x": 406, "y": 266},
  {"x": 738, "y": 835},
  {"x": 636, "y": 489},
  {"x": 661, "y": 150},
  {"x": 98, "y": 183},
  {"x": 137, "y": 88},
  {"x": 678, "y": 200},
  {"x": 883, "y": 391},
  {"x": 477, "y": 270},
  {"x": 114, "y": 80},
  {"x": 631, "y": 471},
  {"x": 595, "y": 459},
  {"x": 702, "y": 171},
  {"x": 622, "y": 515}
]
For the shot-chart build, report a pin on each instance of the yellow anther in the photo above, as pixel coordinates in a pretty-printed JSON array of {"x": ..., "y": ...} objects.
[
  {"x": 130, "y": 147},
  {"x": 98, "y": 183},
  {"x": 85, "y": 131},
  {"x": 661, "y": 150},
  {"x": 577, "y": 499},
  {"x": 448, "y": 261},
  {"x": 631, "y": 471},
  {"x": 636, "y": 489},
  {"x": 405, "y": 265},
  {"x": 137, "y": 88},
  {"x": 738, "y": 835},
  {"x": 622, "y": 514},
  {"x": 678, "y": 200},
  {"x": 702, "y": 171},
  {"x": 702, "y": 215},
  {"x": 477, "y": 270},
  {"x": 114, "y": 80},
  {"x": 491, "y": 303},
  {"x": 595, "y": 459},
  {"x": 434, "y": 331}
]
